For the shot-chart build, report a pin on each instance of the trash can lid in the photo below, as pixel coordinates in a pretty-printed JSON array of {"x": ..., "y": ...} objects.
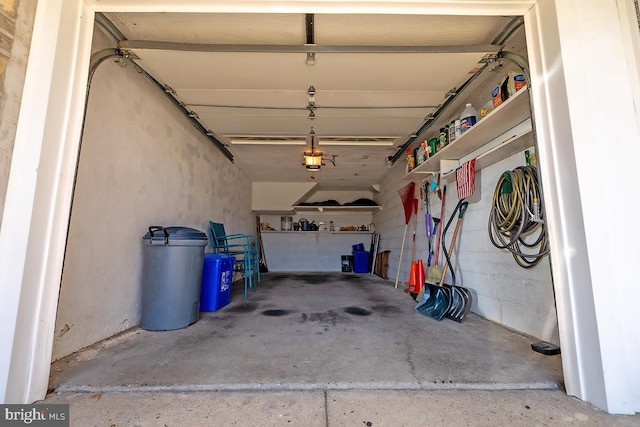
[{"x": 174, "y": 233}]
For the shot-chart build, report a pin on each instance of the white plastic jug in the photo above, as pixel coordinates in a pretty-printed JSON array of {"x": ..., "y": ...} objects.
[{"x": 468, "y": 118}]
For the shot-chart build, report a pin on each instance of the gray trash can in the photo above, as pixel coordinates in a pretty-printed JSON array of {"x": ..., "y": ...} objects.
[{"x": 171, "y": 277}]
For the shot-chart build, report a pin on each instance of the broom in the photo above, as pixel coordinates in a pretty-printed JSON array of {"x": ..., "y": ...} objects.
[{"x": 435, "y": 272}]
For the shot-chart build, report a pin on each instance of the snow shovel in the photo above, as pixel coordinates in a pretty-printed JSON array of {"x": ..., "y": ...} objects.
[
  {"x": 460, "y": 297},
  {"x": 456, "y": 297}
]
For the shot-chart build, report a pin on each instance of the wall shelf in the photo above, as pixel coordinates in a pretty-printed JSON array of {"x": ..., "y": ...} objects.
[
  {"x": 315, "y": 232},
  {"x": 513, "y": 113},
  {"x": 310, "y": 208}
]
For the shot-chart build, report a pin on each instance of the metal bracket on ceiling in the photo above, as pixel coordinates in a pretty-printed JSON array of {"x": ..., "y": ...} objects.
[
  {"x": 169, "y": 89},
  {"x": 125, "y": 57},
  {"x": 493, "y": 59},
  {"x": 489, "y": 57},
  {"x": 311, "y": 58},
  {"x": 126, "y": 53}
]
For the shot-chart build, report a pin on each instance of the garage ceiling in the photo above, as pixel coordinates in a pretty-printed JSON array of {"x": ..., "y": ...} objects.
[{"x": 246, "y": 78}]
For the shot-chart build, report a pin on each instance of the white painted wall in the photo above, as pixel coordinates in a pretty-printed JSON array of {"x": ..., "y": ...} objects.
[
  {"x": 587, "y": 132},
  {"x": 142, "y": 163},
  {"x": 13, "y": 75},
  {"x": 311, "y": 250}
]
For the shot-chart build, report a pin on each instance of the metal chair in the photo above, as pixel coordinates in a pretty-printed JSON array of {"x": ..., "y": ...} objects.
[{"x": 241, "y": 246}]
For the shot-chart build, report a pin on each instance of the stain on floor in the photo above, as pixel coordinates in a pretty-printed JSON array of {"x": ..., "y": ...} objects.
[
  {"x": 276, "y": 313},
  {"x": 329, "y": 317},
  {"x": 357, "y": 311}
]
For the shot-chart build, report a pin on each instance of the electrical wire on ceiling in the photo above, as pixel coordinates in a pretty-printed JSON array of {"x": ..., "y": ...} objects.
[{"x": 516, "y": 218}]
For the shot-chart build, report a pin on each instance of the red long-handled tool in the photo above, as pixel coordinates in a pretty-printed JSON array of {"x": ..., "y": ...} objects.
[{"x": 407, "y": 194}]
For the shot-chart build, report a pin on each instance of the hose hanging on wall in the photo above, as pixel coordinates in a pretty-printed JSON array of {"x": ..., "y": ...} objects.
[{"x": 515, "y": 220}]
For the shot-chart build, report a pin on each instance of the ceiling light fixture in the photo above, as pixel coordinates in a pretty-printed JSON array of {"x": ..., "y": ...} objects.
[{"x": 313, "y": 159}]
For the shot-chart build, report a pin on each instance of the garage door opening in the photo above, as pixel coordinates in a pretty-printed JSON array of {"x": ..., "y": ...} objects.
[
  {"x": 569, "y": 76},
  {"x": 142, "y": 162}
]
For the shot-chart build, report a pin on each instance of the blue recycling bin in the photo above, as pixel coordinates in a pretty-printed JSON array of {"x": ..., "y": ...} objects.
[
  {"x": 361, "y": 262},
  {"x": 217, "y": 277}
]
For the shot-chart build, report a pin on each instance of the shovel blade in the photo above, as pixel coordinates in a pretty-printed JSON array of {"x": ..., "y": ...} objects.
[
  {"x": 467, "y": 306},
  {"x": 460, "y": 313},
  {"x": 457, "y": 302},
  {"x": 435, "y": 303}
]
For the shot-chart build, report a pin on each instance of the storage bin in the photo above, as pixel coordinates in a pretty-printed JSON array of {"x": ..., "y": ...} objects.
[
  {"x": 361, "y": 262},
  {"x": 171, "y": 277},
  {"x": 217, "y": 278},
  {"x": 359, "y": 247}
]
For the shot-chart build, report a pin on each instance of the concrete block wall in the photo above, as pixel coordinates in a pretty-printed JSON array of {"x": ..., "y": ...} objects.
[
  {"x": 142, "y": 163},
  {"x": 518, "y": 298}
]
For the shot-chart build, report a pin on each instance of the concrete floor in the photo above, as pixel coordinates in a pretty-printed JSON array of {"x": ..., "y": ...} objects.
[{"x": 324, "y": 349}]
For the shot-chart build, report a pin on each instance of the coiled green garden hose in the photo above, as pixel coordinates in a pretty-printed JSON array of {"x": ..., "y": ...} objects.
[{"x": 516, "y": 219}]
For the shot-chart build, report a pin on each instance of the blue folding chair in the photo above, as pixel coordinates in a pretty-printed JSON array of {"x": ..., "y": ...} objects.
[{"x": 241, "y": 246}]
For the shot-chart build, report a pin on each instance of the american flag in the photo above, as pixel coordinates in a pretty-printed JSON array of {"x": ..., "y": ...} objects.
[{"x": 466, "y": 179}]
